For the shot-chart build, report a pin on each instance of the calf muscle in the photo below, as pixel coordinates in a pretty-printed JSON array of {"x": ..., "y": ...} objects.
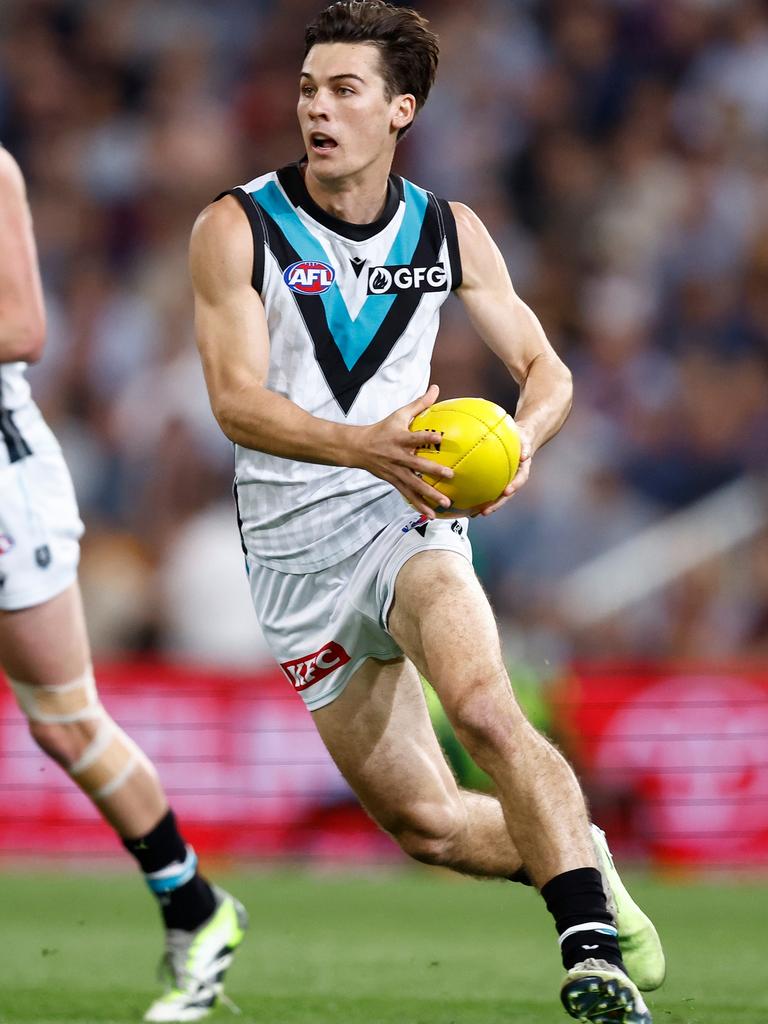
[
  {"x": 442, "y": 620},
  {"x": 380, "y": 735}
]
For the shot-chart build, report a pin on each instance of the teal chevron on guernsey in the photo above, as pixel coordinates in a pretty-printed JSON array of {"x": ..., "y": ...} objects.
[{"x": 352, "y": 336}]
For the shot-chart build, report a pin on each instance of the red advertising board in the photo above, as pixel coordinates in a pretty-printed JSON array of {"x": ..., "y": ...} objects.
[
  {"x": 239, "y": 757},
  {"x": 675, "y": 758}
]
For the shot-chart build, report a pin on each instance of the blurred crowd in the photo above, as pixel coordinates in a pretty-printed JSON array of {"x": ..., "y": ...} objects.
[{"x": 617, "y": 151}]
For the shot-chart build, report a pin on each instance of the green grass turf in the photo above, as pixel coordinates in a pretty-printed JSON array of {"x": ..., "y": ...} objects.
[{"x": 414, "y": 947}]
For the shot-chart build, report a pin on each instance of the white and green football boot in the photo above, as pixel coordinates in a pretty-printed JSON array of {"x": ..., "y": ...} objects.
[
  {"x": 640, "y": 945},
  {"x": 196, "y": 962},
  {"x": 597, "y": 992}
]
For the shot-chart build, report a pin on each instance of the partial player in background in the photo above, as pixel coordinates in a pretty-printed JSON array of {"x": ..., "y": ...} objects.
[
  {"x": 44, "y": 648},
  {"x": 317, "y": 297}
]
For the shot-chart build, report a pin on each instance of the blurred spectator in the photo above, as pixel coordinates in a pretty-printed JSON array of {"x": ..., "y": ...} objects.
[{"x": 206, "y": 607}]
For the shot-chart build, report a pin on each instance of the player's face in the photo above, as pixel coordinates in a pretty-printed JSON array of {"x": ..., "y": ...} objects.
[{"x": 346, "y": 121}]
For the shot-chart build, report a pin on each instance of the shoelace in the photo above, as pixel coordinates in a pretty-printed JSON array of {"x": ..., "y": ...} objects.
[
  {"x": 230, "y": 1004},
  {"x": 176, "y": 947}
]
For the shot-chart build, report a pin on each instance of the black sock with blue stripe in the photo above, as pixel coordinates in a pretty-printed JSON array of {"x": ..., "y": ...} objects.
[
  {"x": 170, "y": 868},
  {"x": 576, "y": 900}
]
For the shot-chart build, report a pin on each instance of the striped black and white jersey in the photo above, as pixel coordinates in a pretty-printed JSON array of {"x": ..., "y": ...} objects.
[
  {"x": 19, "y": 416},
  {"x": 353, "y": 312}
]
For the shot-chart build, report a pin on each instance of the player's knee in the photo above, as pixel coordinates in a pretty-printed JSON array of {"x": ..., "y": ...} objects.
[
  {"x": 430, "y": 832},
  {"x": 63, "y": 720},
  {"x": 70, "y": 724},
  {"x": 64, "y": 742}
]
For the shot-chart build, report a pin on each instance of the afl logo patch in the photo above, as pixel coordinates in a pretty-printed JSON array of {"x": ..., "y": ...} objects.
[
  {"x": 309, "y": 277},
  {"x": 6, "y": 543}
]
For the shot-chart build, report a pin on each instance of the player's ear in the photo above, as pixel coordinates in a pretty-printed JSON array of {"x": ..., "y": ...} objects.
[{"x": 405, "y": 111}]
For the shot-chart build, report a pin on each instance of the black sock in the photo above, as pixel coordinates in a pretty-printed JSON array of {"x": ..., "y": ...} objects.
[
  {"x": 577, "y": 899},
  {"x": 170, "y": 869}
]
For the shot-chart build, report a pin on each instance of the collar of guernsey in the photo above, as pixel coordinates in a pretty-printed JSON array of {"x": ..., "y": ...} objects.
[
  {"x": 292, "y": 180},
  {"x": 352, "y": 337}
]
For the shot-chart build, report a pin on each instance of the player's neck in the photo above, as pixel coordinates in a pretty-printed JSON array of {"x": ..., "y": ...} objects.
[{"x": 357, "y": 200}]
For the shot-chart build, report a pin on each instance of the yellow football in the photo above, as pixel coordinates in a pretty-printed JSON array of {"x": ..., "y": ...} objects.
[{"x": 481, "y": 445}]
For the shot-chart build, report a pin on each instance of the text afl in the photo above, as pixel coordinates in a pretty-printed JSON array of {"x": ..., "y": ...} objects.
[{"x": 309, "y": 277}]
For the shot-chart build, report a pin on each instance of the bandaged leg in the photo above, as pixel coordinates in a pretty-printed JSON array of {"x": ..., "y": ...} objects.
[
  {"x": 70, "y": 723},
  {"x": 108, "y": 761},
  {"x": 77, "y": 701}
]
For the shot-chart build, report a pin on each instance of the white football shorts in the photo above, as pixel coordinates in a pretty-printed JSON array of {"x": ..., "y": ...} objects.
[
  {"x": 322, "y": 626},
  {"x": 40, "y": 526}
]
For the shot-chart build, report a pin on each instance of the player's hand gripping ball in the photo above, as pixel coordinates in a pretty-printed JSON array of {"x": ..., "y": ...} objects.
[{"x": 481, "y": 445}]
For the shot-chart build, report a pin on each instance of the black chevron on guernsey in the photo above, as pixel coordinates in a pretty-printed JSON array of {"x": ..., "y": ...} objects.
[{"x": 345, "y": 384}]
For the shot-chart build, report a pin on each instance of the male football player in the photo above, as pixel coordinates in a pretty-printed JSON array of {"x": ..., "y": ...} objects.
[
  {"x": 45, "y": 654},
  {"x": 317, "y": 295}
]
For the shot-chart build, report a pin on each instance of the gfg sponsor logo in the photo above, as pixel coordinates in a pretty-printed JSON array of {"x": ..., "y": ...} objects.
[
  {"x": 306, "y": 671},
  {"x": 309, "y": 277},
  {"x": 390, "y": 280}
]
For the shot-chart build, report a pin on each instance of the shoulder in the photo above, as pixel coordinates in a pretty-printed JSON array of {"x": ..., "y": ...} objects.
[
  {"x": 470, "y": 228},
  {"x": 221, "y": 221},
  {"x": 480, "y": 257},
  {"x": 220, "y": 248},
  {"x": 10, "y": 174}
]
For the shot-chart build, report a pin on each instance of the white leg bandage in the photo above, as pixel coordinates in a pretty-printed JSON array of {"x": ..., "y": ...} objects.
[
  {"x": 110, "y": 758},
  {"x": 107, "y": 762},
  {"x": 77, "y": 701}
]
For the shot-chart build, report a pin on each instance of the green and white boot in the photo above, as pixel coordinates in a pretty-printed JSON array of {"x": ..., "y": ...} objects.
[
  {"x": 597, "y": 992},
  {"x": 196, "y": 962},
  {"x": 640, "y": 945}
]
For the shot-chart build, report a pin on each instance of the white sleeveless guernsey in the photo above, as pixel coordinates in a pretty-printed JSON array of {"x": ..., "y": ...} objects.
[{"x": 353, "y": 312}]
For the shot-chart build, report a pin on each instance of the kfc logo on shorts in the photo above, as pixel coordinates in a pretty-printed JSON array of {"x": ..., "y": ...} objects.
[
  {"x": 6, "y": 543},
  {"x": 306, "y": 671},
  {"x": 309, "y": 277}
]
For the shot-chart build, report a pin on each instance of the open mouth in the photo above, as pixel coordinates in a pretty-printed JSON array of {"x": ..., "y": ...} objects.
[{"x": 322, "y": 143}]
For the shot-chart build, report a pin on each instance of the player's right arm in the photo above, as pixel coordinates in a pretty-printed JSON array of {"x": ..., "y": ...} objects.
[
  {"x": 22, "y": 312},
  {"x": 233, "y": 340}
]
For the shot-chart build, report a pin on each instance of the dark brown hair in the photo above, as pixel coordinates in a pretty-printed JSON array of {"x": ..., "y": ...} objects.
[{"x": 408, "y": 50}]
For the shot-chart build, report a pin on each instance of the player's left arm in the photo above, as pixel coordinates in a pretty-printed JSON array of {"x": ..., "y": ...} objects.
[{"x": 511, "y": 329}]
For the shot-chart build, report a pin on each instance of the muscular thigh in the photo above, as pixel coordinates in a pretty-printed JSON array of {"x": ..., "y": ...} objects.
[
  {"x": 47, "y": 643},
  {"x": 443, "y": 621},
  {"x": 380, "y": 735}
]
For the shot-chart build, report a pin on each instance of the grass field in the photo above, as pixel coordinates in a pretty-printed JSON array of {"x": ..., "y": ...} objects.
[{"x": 391, "y": 948}]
